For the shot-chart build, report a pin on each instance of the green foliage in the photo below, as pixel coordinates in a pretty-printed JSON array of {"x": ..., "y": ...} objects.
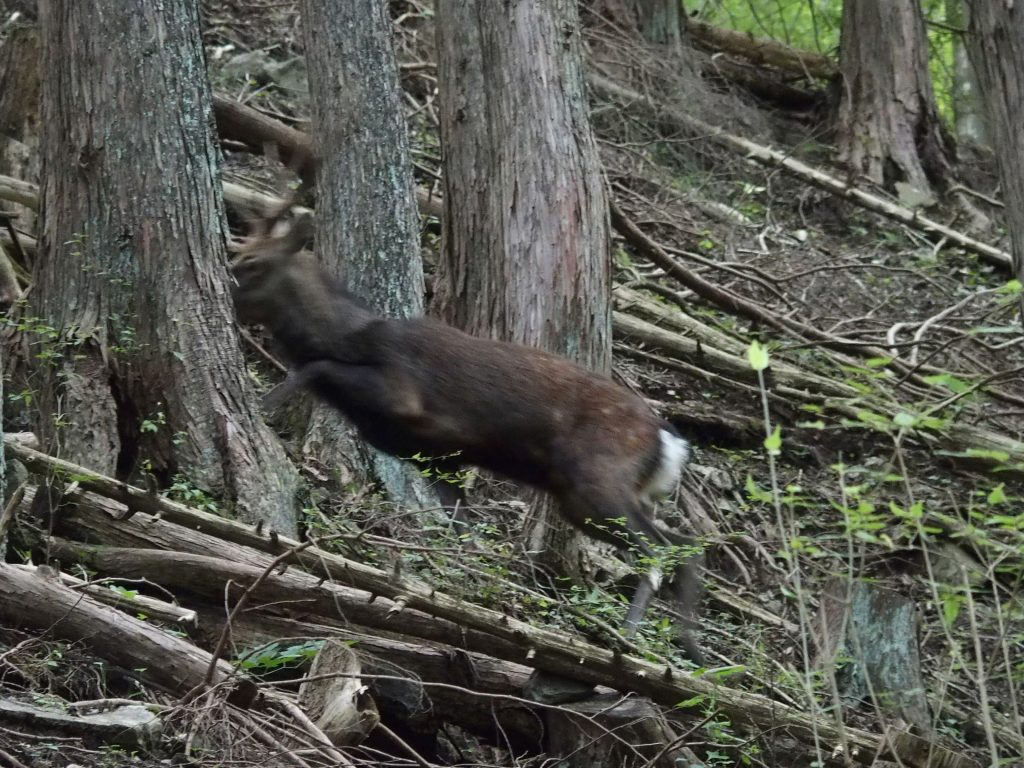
[
  {"x": 153, "y": 424},
  {"x": 812, "y": 26},
  {"x": 459, "y": 478},
  {"x": 183, "y": 490},
  {"x": 272, "y": 656}
]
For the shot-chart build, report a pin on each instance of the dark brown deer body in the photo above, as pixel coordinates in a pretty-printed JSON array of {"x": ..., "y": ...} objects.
[{"x": 421, "y": 387}]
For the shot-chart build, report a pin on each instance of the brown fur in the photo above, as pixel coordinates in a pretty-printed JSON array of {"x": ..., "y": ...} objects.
[{"x": 422, "y": 387}]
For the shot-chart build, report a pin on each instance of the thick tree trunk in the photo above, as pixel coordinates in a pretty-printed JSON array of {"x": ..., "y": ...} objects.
[
  {"x": 19, "y": 138},
  {"x": 525, "y": 253},
  {"x": 888, "y": 128},
  {"x": 525, "y": 230},
  {"x": 367, "y": 222},
  {"x": 142, "y": 370},
  {"x": 995, "y": 42}
]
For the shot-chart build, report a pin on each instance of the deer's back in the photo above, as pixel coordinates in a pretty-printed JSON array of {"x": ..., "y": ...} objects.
[{"x": 514, "y": 409}]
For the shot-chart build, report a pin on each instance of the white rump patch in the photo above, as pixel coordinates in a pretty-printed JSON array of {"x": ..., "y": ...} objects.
[
  {"x": 675, "y": 453},
  {"x": 654, "y": 576}
]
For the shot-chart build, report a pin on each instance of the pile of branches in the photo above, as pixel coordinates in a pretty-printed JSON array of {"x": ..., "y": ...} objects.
[{"x": 398, "y": 654}]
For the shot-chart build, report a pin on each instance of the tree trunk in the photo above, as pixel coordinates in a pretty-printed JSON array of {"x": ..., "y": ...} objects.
[
  {"x": 19, "y": 111},
  {"x": 875, "y": 632},
  {"x": 141, "y": 371},
  {"x": 19, "y": 153},
  {"x": 995, "y": 43},
  {"x": 659, "y": 23},
  {"x": 367, "y": 222},
  {"x": 4, "y": 521},
  {"x": 888, "y": 128},
  {"x": 525, "y": 229},
  {"x": 967, "y": 105}
]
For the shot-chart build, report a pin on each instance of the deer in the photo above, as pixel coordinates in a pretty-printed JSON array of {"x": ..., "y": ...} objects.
[{"x": 419, "y": 387}]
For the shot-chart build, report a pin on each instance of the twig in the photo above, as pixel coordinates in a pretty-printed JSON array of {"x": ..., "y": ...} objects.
[
  {"x": 222, "y": 641},
  {"x": 312, "y": 730},
  {"x": 404, "y": 746}
]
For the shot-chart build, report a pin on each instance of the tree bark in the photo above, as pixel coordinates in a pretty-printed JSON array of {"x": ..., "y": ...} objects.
[
  {"x": 5, "y": 519},
  {"x": 525, "y": 254},
  {"x": 367, "y": 227},
  {"x": 19, "y": 110},
  {"x": 525, "y": 243},
  {"x": 888, "y": 127},
  {"x": 656, "y": 25},
  {"x": 142, "y": 373},
  {"x": 659, "y": 23},
  {"x": 995, "y": 43},
  {"x": 967, "y": 104},
  {"x": 875, "y": 632}
]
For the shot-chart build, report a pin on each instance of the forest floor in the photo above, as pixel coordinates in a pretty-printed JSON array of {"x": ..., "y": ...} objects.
[{"x": 872, "y": 476}]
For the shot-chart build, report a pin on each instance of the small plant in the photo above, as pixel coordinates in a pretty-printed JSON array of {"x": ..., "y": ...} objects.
[
  {"x": 153, "y": 424},
  {"x": 273, "y": 656},
  {"x": 460, "y": 478},
  {"x": 183, "y": 490}
]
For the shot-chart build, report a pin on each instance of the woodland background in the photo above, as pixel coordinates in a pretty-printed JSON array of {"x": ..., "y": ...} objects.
[{"x": 797, "y": 228}]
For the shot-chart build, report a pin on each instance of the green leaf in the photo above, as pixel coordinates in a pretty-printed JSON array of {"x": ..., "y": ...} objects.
[
  {"x": 773, "y": 443},
  {"x": 904, "y": 419},
  {"x": 951, "y": 603},
  {"x": 696, "y": 701},
  {"x": 754, "y": 493},
  {"x": 997, "y": 495},
  {"x": 719, "y": 673},
  {"x": 950, "y": 382},
  {"x": 874, "y": 419},
  {"x": 981, "y": 453},
  {"x": 757, "y": 355},
  {"x": 877, "y": 362}
]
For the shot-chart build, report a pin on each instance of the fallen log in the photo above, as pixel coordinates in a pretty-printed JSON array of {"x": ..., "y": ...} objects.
[
  {"x": 761, "y": 50},
  {"x": 256, "y": 130},
  {"x": 35, "y": 598},
  {"x": 128, "y": 725}
]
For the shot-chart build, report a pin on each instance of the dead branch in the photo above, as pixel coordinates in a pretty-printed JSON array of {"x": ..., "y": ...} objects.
[
  {"x": 236, "y": 195},
  {"x": 132, "y": 604},
  {"x": 256, "y": 130}
]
